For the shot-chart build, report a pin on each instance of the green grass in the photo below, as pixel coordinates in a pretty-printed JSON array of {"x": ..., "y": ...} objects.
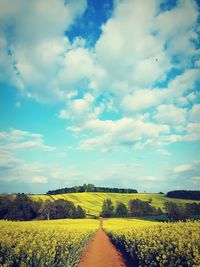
[{"x": 92, "y": 202}]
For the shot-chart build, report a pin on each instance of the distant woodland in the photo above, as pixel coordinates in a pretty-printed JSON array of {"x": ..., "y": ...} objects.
[
  {"x": 22, "y": 208},
  {"x": 90, "y": 188},
  {"x": 184, "y": 194}
]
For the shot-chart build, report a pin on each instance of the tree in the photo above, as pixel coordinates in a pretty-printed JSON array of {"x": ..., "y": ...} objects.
[
  {"x": 184, "y": 194},
  {"x": 137, "y": 207},
  {"x": 80, "y": 213},
  {"x": 59, "y": 209},
  {"x": 20, "y": 208},
  {"x": 5, "y": 204},
  {"x": 159, "y": 211},
  {"x": 107, "y": 208},
  {"x": 121, "y": 210},
  {"x": 47, "y": 209},
  {"x": 175, "y": 212},
  {"x": 90, "y": 188},
  {"x": 192, "y": 208}
]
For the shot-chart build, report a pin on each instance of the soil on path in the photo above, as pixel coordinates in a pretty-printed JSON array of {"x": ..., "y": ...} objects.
[{"x": 102, "y": 253}]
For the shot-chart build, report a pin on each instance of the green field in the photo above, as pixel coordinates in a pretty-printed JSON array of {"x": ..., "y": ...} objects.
[{"x": 92, "y": 202}]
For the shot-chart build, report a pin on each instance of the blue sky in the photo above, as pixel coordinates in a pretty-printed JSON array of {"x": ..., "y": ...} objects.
[{"x": 103, "y": 92}]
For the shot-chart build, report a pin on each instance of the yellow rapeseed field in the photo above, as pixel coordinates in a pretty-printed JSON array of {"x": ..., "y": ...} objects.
[
  {"x": 44, "y": 243},
  {"x": 157, "y": 244}
]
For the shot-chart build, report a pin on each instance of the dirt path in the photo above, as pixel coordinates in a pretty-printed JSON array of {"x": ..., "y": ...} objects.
[{"x": 102, "y": 253}]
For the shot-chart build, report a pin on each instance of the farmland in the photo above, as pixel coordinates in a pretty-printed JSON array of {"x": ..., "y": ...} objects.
[
  {"x": 146, "y": 243},
  {"x": 61, "y": 244},
  {"x": 156, "y": 244},
  {"x": 92, "y": 202}
]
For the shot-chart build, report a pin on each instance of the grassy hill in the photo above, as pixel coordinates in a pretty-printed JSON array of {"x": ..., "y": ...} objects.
[{"x": 92, "y": 202}]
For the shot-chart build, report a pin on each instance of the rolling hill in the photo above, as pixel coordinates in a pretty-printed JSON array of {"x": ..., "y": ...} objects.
[{"x": 92, "y": 202}]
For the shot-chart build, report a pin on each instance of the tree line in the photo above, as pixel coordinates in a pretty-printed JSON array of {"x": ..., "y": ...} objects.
[
  {"x": 176, "y": 212},
  {"x": 139, "y": 208},
  {"x": 90, "y": 188},
  {"x": 22, "y": 208},
  {"x": 184, "y": 194},
  {"x": 136, "y": 208}
]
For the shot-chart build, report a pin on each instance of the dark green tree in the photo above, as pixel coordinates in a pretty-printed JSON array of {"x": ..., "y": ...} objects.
[
  {"x": 192, "y": 208},
  {"x": 80, "y": 213},
  {"x": 137, "y": 207},
  {"x": 18, "y": 208},
  {"x": 107, "y": 209},
  {"x": 175, "y": 212},
  {"x": 47, "y": 210},
  {"x": 121, "y": 210},
  {"x": 5, "y": 205}
]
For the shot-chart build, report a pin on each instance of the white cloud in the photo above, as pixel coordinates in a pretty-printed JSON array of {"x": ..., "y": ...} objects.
[
  {"x": 13, "y": 169},
  {"x": 150, "y": 178},
  {"x": 187, "y": 175},
  {"x": 78, "y": 64},
  {"x": 177, "y": 32},
  {"x": 194, "y": 113},
  {"x": 136, "y": 36},
  {"x": 123, "y": 132},
  {"x": 20, "y": 140},
  {"x": 36, "y": 72},
  {"x": 136, "y": 53},
  {"x": 17, "y": 135},
  {"x": 127, "y": 44},
  {"x": 80, "y": 110},
  {"x": 170, "y": 114},
  {"x": 193, "y": 132},
  {"x": 39, "y": 180},
  {"x": 145, "y": 51},
  {"x": 183, "y": 83},
  {"x": 182, "y": 168},
  {"x": 39, "y": 16},
  {"x": 164, "y": 152},
  {"x": 143, "y": 99}
]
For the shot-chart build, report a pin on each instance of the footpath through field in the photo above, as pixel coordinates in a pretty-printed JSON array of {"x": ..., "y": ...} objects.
[{"x": 102, "y": 253}]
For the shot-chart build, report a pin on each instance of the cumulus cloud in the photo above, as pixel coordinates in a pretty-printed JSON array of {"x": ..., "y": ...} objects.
[
  {"x": 194, "y": 113},
  {"x": 170, "y": 114},
  {"x": 20, "y": 140},
  {"x": 143, "y": 61},
  {"x": 123, "y": 132},
  {"x": 193, "y": 132},
  {"x": 143, "y": 99},
  {"x": 80, "y": 110},
  {"x": 127, "y": 44},
  {"x": 31, "y": 58}
]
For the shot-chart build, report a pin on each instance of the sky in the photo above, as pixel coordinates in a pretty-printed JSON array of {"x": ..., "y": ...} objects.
[{"x": 103, "y": 92}]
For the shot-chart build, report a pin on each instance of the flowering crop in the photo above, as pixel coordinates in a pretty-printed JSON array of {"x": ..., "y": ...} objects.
[
  {"x": 44, "y": 243},
  {"x": 162, "y": 244}
]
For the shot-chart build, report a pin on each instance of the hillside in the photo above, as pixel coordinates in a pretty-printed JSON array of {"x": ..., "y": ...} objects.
[{"x": 92, "y": 202}]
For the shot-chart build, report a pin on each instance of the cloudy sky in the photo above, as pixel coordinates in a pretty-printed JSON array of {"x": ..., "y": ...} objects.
[{"x": 104, "y": 92}]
